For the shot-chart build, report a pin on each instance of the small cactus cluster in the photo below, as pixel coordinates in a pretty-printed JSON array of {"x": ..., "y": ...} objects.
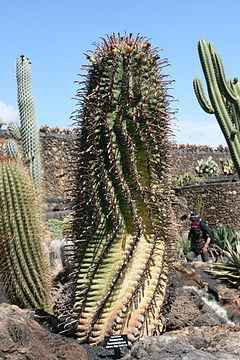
[
  {"x": 187, "y": 179},
  {"x": 224, "y": 98},
  {"x": 23, "y": 269},
  {"x": 207, "y": 167},
  {"x": 123, "y": 226}
]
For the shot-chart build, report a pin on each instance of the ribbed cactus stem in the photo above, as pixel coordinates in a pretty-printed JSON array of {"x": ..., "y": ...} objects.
[
  {"x": 224, "y": 98},
  {"x": 28, "y": 127},
  {"x": 22, "y": 266},
  {"x": 122, "y": 229}
]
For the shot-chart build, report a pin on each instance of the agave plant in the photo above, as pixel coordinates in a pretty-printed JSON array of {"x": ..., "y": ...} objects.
[
  {"x": 122, "y": 228},
  {"x": 230, "y": 270},
  {"x": 223, "y": 236}
]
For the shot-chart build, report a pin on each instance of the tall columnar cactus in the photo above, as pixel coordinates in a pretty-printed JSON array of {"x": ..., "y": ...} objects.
[
  {"x": 28, "y": 128},
  {"x": 22, "y": 266},
  {"x": 123, "y": 227},
  {"x": 224, "y": 98}
]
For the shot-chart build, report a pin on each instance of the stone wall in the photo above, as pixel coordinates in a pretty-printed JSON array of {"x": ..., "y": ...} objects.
[
  {"x": 221, "y": 202},
  {"x": 185, "y": 157},
  {"x": 57, "y": 149}
]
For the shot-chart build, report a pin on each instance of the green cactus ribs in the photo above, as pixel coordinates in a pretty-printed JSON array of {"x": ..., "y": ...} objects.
[
  {"x": 28, "y": 129},
  {"x": 224, "y": 98},
  {"x": 122, "y": 231},
  {"x": 22, "y": 266}
]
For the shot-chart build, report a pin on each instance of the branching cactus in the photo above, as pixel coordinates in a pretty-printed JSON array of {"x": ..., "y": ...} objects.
[
  {"x": 22, "y": 266},
  {"x": 224, "y": 98},
  {"x": 124, "y": 228},
  {"x": 28, "y": 128}
]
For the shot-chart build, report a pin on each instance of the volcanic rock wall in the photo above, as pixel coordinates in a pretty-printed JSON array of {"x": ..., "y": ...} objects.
[{"x": 221, "y": 201}]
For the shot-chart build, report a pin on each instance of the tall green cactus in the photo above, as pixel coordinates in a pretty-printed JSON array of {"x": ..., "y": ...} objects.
[
  {"x": 22, "y": 266},
  {"x": 29, "y": 133},
  {"x": 224, "y": 98},
  {"x": 123, "y": 227}
]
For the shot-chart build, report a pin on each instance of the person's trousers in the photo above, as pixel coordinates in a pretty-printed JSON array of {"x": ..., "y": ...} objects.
[{"x": 192, "y": 255}]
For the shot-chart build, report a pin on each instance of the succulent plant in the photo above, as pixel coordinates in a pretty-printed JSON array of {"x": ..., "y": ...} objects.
[
  {"x": 207, "y": 166},
  {"x": 123, "y": 228},
  {"x": 224, "y": 98},
  {"x": 228, "y": 167},
  {"x": 187, "y": 179},
  {"x": 230, "y": 270},
  {"x": 28, "y": 128},
  {"x": 22, "y": 265}
]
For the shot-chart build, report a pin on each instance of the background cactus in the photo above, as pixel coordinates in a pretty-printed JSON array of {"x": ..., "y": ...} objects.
[
  {"x": 224, "y": 98},
  {"x": 22, "y": 266},
  {"x": 28, "y": 129},
  {"x": 207, "y": 166},
  {"x": 228, "y": 167},
  {"x": 124, "y": 225}
]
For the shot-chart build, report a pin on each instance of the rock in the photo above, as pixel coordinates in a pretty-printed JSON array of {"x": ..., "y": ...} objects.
[
  {"x": 192, "y": 343},
  {"x": 22, "y": 338}
]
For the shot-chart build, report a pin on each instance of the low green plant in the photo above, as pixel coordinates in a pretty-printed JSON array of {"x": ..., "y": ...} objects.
[
  {"x": 228, "y": 167},
  {"x": 55, "y": 228},
  {"x": 222, "y": 236},
  {"x": 187, "y": 179},
  {"x": 184, "y": 246},
  {"x": 230, "y": 270},
  {"x": 207, "y": 166}
]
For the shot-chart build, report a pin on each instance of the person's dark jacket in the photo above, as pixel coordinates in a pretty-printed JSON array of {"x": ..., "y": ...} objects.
[{"x": 198, "y": 235}]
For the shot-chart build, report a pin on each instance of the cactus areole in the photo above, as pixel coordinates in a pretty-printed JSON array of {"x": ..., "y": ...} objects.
[{"x": 122, "y": 229}]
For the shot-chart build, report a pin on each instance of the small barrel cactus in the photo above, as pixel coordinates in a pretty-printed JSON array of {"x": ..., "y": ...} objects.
[
  {"x": 23, "y": 269},
  {"x": 123, "y": 227}
]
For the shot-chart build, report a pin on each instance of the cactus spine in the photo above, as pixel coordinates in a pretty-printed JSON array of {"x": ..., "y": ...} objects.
[
  {"x": 28, "y": 128},
  {"x": 22, "y": 267},
  {"x": 224, "y": 98},
  {"x": 122, "y": 192}
]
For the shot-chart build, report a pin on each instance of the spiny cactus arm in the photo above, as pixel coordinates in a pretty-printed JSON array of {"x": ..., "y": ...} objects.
[
  {"x": 14, "y": 130},
  {"x": 11, "y": 149},
  {"x": 206, "y": 57},
  {"x": 28, "y": 128},
  {"x": 204, "y": 103},
  {"x": 227, "y": 125},
  {"x": 223, "y": 82}
]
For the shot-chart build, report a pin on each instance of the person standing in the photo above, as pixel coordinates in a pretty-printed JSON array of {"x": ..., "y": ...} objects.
[{"x": 200, "y": 236}]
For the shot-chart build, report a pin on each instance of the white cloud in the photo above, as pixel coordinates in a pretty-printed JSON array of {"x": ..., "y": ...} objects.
[
  {"x": 202, "y": 130},
  {"x": 7, "y": 112}
]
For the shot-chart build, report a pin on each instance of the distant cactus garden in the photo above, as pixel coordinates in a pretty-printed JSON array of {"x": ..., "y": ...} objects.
[
  {"x": 121, "y": 234},
  {"x": 204, "y": 170}
]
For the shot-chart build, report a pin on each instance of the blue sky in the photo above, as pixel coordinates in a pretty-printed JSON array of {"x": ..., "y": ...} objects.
[{"x": 54, "y": 34}]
